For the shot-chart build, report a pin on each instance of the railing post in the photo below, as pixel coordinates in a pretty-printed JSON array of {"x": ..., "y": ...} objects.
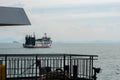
[
  {"x": 90, "y": 68},
  {"x": 5, "y": 67},
  {"x": 64, "y": 65},
  {"x": 36, "y": 68},
  {"x": 70, "y": 65},
  {"x": 64, "y": 62}
]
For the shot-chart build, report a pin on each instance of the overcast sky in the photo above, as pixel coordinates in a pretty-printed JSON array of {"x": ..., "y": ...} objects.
[{"x": 67, "y": 20}]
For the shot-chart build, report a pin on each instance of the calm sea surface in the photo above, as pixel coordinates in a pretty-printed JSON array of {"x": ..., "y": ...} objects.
[{"x": 108, "y": 60}]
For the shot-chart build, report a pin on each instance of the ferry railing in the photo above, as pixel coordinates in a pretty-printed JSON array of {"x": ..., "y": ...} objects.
[{"x": 47, "y": 66}]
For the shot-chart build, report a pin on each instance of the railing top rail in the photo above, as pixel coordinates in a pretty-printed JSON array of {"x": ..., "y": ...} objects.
[{"x": 49, "y": 54}]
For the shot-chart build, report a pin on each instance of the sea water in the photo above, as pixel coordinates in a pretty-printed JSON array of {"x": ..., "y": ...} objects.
[{"x": 108, "y": 55}]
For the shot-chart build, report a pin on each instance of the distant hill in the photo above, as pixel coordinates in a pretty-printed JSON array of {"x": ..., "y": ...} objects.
[{"x": 15, "y": 42}]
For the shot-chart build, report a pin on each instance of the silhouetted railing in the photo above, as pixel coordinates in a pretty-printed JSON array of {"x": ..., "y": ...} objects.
[{"x": 46, "y": 66}]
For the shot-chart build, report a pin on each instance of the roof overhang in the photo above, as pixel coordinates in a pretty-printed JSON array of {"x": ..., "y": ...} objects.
[{"x": 12, "y": 16}]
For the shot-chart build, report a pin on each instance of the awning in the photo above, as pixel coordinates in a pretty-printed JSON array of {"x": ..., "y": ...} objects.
[{"x": 10, "y": 16}]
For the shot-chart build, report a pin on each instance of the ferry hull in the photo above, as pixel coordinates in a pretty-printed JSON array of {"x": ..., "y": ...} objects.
[{"x": 29, "y": 46}]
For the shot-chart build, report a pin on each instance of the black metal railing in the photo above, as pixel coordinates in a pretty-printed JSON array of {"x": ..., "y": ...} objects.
[{"x": 46, "y": 66}]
